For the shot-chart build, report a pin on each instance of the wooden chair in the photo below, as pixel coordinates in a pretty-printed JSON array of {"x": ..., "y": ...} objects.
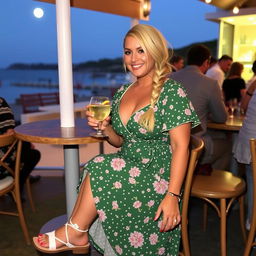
[
  {"x": 251, "y": 236},
  {"x": 224, "y": 187},
  {"x": 11, "y": 184},
  {"x": 30, "y": 102},
  {"x": 196, "y": 147}
]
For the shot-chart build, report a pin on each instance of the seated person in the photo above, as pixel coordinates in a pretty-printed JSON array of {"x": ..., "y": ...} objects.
[
  {"x": 29, "y": 156},
  {"x": 234, "y": 85}
]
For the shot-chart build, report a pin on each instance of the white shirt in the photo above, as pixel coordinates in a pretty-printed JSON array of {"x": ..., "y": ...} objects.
[
  {"x": 241, "y": 148},
  {"x": 216, "y": 73}
]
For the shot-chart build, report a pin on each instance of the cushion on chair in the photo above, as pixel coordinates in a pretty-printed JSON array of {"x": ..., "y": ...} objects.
[{"x": 7, "y": 181}]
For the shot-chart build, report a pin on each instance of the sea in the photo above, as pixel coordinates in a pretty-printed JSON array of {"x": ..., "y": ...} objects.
[{"x": 16, "y": 82}]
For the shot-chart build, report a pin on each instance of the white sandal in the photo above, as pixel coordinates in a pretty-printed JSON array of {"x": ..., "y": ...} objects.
[{"x": 67, "y": 245}]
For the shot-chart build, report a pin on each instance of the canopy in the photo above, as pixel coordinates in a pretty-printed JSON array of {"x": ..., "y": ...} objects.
[
  {"x": 230, "y": 4},
  {"x": 138, "y": 9}
]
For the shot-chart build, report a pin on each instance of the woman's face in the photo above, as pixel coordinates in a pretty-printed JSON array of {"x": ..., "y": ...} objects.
[{"x": 138, "y": 62}]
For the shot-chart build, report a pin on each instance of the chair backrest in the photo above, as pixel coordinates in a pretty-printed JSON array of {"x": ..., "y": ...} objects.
[
  {"x": 49, "y": 98},
  {"x": 196, "y": 147},
  {"x": 30, "y": 102},
  {"x": 7, "y": 141}
]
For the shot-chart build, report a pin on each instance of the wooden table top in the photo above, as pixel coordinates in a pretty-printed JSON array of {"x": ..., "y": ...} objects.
[
  {"x": 50, "y": 132},
  {"x": 232, "y": 124}
]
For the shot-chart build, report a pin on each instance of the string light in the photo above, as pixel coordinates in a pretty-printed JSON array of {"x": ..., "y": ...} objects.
[
  {"x": 235, "y": 10},
  {"x": 208, "y": 1}
]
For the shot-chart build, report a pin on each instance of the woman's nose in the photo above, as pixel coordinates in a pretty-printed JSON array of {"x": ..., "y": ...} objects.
[{"x": 134, "y": 57}]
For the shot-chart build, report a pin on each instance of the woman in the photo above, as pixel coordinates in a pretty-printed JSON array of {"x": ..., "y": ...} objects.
[
  {"x": 242, "y": 153},
  {"x": 234, "y": 85},
  {"x": 132, "y": 197}
]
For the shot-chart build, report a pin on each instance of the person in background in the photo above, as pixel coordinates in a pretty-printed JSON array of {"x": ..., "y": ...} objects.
[
  {"x": 29, "y": 156},
  {"x": 206, "y": 98},
  {"x": 129, "y": 200},
  {"x": 242, "y": 153},
  {"x": 212, "y": 62},
  {"x": 234, "y": 85},
  {"x": 250, "y": 87},
  {"x": 177, "y": 63},
  {"x": 219, "y": 70},
  {"x": 254, "y": 75}
]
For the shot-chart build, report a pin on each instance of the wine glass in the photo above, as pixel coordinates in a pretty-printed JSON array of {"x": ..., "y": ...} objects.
[
  {"x": 100, "y": 108},
  {"x": 232, "y": 106}
]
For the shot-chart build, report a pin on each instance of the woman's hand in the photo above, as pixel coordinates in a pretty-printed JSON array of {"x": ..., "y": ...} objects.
[
  {"x": 95, "y": 123},
  {"x": 169, "y": 208}
]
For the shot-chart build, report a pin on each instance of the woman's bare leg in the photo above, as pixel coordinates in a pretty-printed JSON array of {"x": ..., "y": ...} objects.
[{"x": 84, "y": 213}]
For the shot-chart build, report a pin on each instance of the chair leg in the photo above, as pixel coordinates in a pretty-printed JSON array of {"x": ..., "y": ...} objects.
[
  {"x": 22, "y": 218},
  {"x": 29, "y": 193},
  {"x": 205, "y": 217},
  {"x": 223, "y": 226},
  {"x": 185, "y": 241},
  {"x": 250, "y": 240},
  {"x": 242, "y": 218}
]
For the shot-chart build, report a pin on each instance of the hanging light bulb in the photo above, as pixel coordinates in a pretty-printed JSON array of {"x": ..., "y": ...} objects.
[
  {"x": 235, "y": 10},
  {"x": 208, "y": 1}
]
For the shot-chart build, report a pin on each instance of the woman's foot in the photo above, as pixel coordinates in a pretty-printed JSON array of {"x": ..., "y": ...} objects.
[{"x": 65, "y": 238}]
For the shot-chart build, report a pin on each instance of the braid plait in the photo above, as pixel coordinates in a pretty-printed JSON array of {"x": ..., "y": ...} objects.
[{"x": 147, "y": 120}]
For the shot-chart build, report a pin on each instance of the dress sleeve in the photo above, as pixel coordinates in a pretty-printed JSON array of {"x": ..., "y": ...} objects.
[{"x": 176, "y": 108}]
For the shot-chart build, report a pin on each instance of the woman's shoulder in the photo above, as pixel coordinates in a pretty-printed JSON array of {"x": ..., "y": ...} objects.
[{"x": 173, "y": 87}]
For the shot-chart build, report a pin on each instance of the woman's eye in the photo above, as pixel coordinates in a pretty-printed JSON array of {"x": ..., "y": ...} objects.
[
  {"x": 140, "y": 51},
  {"x": 127, "y": 52}
]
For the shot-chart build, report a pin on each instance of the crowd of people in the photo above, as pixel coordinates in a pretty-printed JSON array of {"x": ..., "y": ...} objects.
[{"x": 129, "y": 202}]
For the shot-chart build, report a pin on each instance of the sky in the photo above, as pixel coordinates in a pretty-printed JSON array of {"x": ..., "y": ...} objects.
[{"x": 95, "y": 35}]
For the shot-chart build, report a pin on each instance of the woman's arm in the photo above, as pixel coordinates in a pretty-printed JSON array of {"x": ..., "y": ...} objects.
[
  {"x": 113, "y": 138},
  {"x": 169, "y": 207},
  {"x": 247, "y": 96}
]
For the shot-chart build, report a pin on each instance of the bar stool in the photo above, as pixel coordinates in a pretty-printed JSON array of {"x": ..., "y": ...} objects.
[
  {"x": 225, "y": 187},
  {"x": 250, "y": 240}
]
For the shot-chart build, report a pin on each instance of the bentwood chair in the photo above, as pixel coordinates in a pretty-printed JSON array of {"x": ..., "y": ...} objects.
[
  {"x": 196, "y": 147},
  {"x": 10, "y": 184},
  {"x": 223, "y": 187},
  {"x": 251, "y": 236}
]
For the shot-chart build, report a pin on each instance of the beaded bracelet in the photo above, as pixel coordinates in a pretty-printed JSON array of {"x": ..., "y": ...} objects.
[{"x": 175, "y": 195}]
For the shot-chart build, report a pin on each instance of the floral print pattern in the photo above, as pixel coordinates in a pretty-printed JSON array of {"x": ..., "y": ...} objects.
[{"x": 129, "y": 185}]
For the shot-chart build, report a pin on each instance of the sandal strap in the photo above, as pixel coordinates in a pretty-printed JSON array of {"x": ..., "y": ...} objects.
[
  {"x": 53, "y": 238},
  {"x": 76, "y": 227}
]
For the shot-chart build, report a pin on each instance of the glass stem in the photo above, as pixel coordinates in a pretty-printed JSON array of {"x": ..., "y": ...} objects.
[{"x": 99, "y": 131}]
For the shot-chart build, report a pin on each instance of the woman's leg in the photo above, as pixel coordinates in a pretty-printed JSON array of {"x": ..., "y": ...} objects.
[{"x": 84, "y": 213}]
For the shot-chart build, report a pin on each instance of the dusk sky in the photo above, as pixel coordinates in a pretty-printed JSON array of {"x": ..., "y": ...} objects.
[{"x": 95, "y": 35}]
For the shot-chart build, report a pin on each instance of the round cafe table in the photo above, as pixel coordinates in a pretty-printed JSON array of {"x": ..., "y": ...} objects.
[{"x": 50, "y": 132}]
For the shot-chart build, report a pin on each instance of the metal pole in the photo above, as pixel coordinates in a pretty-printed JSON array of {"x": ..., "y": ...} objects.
[{"x": 65, "y": 63}]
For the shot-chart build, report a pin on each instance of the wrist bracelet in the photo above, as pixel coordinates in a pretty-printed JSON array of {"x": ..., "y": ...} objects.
[
  {"x": 175, "y": 195},
  {"x": 248, "y": 93}
]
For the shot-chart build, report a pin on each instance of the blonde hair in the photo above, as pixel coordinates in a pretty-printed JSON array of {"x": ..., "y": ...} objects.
[{"x": 154, "y": 44}]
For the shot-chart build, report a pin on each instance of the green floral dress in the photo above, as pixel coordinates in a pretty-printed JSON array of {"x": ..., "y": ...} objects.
[{"x": 129, "y": 185}]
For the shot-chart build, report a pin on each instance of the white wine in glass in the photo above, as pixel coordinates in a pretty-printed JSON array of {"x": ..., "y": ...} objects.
[{"x": 100, "y": 108}]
